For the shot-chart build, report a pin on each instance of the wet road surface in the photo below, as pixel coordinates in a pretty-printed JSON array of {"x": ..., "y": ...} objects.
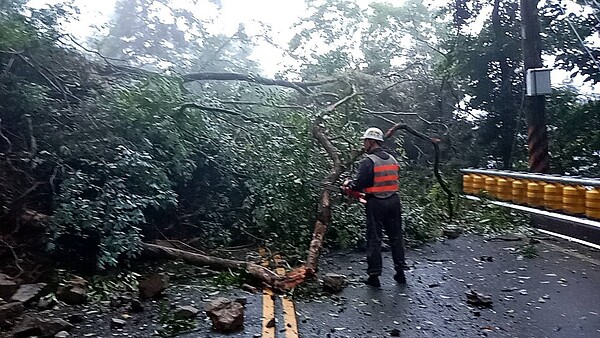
[{"x": 556, "y": 294}]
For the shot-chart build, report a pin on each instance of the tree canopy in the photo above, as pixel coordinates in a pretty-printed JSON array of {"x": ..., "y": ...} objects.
[{"x": 163, "y": 128}]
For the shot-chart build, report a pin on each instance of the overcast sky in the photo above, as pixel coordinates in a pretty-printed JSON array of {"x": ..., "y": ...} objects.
[{"x": 279, "y": 14}]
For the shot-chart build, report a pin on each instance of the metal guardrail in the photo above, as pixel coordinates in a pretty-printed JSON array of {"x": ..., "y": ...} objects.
[{"x": 591, "y": 182}]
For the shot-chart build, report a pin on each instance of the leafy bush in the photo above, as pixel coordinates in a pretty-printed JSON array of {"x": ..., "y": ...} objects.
[{"x": 107, "y": 210}]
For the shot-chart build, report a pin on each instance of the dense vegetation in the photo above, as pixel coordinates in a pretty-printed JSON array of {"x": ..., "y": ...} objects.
[{"x": 117, "y": 139}]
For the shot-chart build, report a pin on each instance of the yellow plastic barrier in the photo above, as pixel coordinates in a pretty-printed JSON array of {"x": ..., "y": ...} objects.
[
  {"x": 504, "y": 187},
  {"x": 535, "y": 194},
  {"x": 592, "y": 203},
  {"x": 553, "y": 196},
  {"x": 518, "y": 192},
  {"x": 574, "y": 199},
  {"x": 468, "y": 184},
  {"x": 491, "y": 186},
  {"x": 478, "y": 184}
]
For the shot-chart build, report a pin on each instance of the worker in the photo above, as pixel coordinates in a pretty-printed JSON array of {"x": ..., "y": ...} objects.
[{"x": 378, "y": 179}]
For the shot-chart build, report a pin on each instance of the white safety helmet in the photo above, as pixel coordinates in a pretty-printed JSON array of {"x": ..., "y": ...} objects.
[{"x": 373, "y": 134}]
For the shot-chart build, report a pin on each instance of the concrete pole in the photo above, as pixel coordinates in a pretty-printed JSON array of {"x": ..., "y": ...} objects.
[{"x": 537, "y": 136}]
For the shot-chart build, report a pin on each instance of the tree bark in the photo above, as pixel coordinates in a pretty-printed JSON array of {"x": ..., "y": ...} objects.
[
  {"x": 261, "y": 273},
  {"x": 302, "y": 87},
  {"x": 507, "y": 108}
]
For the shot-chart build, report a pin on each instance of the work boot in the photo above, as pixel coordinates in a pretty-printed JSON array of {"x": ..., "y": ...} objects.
[
  {"x": 400, "y": 278},
  {"x": 373, "y": 281}
]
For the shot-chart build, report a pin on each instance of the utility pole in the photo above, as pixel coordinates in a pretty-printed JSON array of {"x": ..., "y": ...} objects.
[{"x": 537, "y": 136}]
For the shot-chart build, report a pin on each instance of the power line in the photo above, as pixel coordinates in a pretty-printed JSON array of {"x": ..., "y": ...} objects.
[{"x": 579, "y": 36}]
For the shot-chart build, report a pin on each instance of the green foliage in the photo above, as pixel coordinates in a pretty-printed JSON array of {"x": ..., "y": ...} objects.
[
  {"x": 171, "y": 326},
  {"x": 119, "y": 161},
  {"x": 487, "y": 218},
  {"x": 231, "y": 278},
  {"x": 425, "y": 210},
  {"x": 529, "y": 251},
  {"x": 15, "y": 35},
  {"x": 423, "y": 205},
  {"x": 103, "y": 288},
  {"x": 574, "y": 134},
  {"x": 106, "y": 208}
]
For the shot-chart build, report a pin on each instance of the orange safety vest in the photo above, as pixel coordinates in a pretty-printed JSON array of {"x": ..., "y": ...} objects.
[{"x": 385, "y": 177}]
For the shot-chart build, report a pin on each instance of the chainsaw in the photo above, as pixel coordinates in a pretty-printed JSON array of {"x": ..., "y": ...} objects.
[{"x": 360, "y": 196}]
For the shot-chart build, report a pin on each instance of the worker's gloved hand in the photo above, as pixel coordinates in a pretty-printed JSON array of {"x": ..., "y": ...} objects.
[{"x": 346, "y": 184}]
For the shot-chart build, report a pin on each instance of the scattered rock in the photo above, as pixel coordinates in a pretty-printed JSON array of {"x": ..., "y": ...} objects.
[
  {"x": 45, "y": 303},
  {"x": 451, "y": 232},
  {"x": 116, "y": 323},
  {"x": 186, "y": 312},
  {"x": 271, "y": 323},
  {"x": 153, "y": 285},
  {"x": 36, "y": 326},
  {"x": 28, "y": 292},
  {"x": 241, "y": 300},
  {"x": 115, "y": 301},
  {"x": 226, "y": 315},
  {"x": 10, "y": 310},
  {"x": 334, "y": 282},
  {"x": 7, "y": 287},
  {"x": 73, "y": 292},
  {"x": 395, "y": 333},
  {"x": 135, "y": 306},
  {"x": 478, "y": 299},
  {"x": 62, "y": 334},
  {"x": 75, "y": 318}
]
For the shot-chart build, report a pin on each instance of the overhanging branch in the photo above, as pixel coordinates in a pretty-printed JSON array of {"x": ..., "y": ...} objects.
[
  {"x": 436, "y": 164},
  {"x": 302, "y": 87},
  {"x": 217, "y": 110}
]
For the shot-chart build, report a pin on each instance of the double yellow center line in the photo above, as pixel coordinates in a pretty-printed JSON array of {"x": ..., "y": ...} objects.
[{"x": 269, "y": 328}]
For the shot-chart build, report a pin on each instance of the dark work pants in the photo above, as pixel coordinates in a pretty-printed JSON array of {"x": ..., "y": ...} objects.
[{"x": 384, "y": 214}]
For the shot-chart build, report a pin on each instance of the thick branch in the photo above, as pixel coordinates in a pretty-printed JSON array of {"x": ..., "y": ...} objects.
[
  {"x": 253, "y": 103},
  {"x": 257, "y": 271},
  {"x": 301, "y": 87},
  {"x": 217, "y": 110},
  {"x": 387, "y": 112},
  {"x": 436, "y": 164},
  {"x": 324, "y": 209}
]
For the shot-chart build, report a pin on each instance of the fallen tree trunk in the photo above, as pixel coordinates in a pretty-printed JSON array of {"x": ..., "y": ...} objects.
[{"x": 261, "y": 273}]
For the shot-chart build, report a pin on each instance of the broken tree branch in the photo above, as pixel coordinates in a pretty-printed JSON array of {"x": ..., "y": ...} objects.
[
  {"x": 395, "y": 113},
  {"x": 261, "y": 273},
  {"x": 217, "y": 110},
  {"x": 17, "y": 259},
  {"x": 6, "y": 139},
  {"x": 253, "y": 103},
  {"x": 436, "y": 164},
  {"x": 324, "y": 208},
  {"x": 302, "y": 87}
]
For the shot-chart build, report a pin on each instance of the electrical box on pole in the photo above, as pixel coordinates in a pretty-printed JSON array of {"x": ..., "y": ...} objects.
[{"x": 538, "y": 81}]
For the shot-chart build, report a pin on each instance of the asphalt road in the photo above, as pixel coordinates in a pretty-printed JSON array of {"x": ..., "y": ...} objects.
[{"x": 556, "y": 294}]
